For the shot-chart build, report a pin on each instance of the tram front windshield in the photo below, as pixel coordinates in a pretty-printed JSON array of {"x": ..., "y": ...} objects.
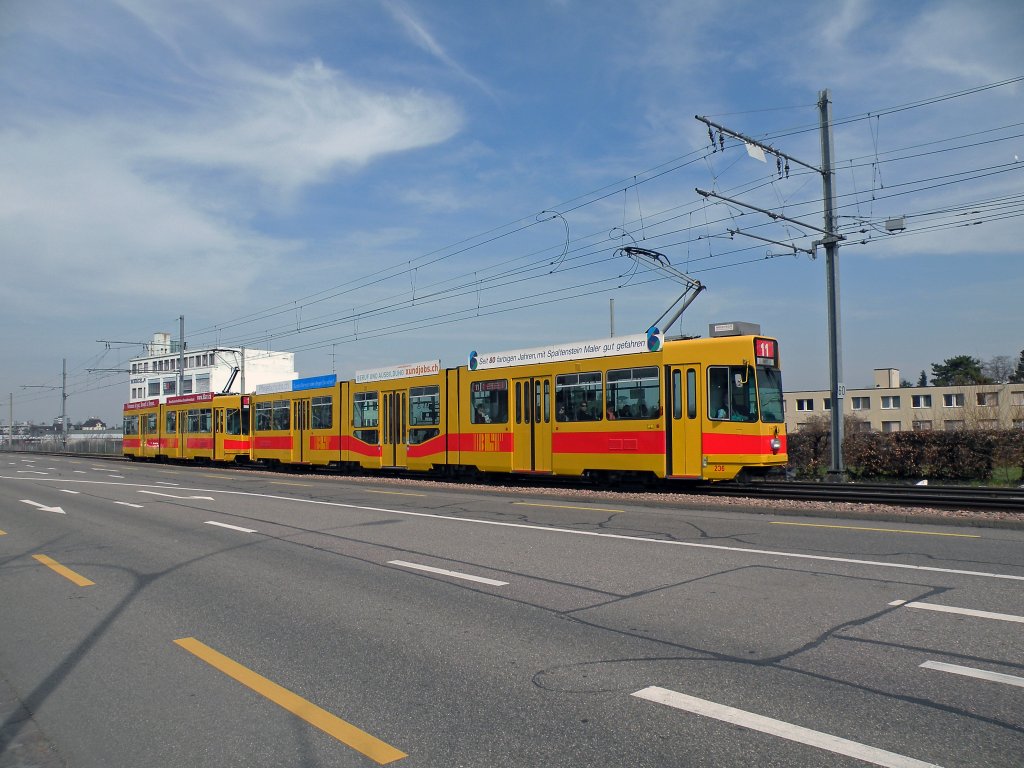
[{"x": 769, "y": 394}]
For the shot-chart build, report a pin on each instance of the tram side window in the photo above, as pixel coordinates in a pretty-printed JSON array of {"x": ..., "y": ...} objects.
[
  {"x": 192, "y": 421},
  {"x": 151, "y": 423},
  {"x": 634, "y": 393},
  {"x": 131, "y": 425},
  {"x": 171, "y": 422},
  {"x": 321, "y": 412},
  {"x": 234, "y": 422},
  {"x": 578, "y": 397},
  {"x": 691, "y": 393},
  {"x": 365, "y": 416},
  {"x": 424, "y": 406},
  {"x": 264, "y": 416},
  {"x": 732, "y": 394},
  {"x": 489, "y": 402},
  {"x": 206, "y": 420},
  {"x": 282, "y": 415},
  {"x": 424, "y": 413}
]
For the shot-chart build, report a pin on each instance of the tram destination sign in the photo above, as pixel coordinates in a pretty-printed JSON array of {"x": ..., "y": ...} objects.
[{"x": 576, "y": 350}]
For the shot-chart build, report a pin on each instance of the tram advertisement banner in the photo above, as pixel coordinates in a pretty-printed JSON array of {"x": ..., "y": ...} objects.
[{"x": 577, "y": 350}]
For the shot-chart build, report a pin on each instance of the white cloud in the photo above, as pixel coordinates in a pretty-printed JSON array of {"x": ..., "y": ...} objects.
[
  {"x": 78, "y": 221},
  {"x": 977, "y": 43},
  {"x": 421, "y": 36},
  {"x": 292, "y": 130}
]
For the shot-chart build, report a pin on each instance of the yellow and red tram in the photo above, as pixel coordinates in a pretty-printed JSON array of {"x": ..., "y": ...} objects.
[
  {"x": 193, "y": 427},
  {"x": 694, "y": 409}
]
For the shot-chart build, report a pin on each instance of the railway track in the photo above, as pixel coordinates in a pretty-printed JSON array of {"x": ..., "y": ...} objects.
[{"x": 933, "y": 496}]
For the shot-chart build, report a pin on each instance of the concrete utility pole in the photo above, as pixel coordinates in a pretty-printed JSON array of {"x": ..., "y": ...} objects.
[
  {"x": 181, "y": 353},
  {"x": 830, "y": 239},
  {"x": 837, "y": 389},
  {"x": 10, "y": 415},
  {"x": 64, "y": 403}
]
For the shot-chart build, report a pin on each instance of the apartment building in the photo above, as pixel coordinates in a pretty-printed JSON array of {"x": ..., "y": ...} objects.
[{"x": 888, "y": 407}]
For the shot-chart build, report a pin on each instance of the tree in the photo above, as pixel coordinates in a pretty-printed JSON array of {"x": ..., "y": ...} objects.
[
  {"x": 922, "y": 380},
  {"x": 1018, "y": 375},
  {"x": 998, "y": 369},
  {"x": 962, "y": 369}
]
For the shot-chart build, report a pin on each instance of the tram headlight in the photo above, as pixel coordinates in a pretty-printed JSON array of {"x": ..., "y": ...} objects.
[{"x": 775, "y": 445}]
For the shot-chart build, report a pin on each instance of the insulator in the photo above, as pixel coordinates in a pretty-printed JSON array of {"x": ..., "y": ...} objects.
[{"x": 721, "y": 141}]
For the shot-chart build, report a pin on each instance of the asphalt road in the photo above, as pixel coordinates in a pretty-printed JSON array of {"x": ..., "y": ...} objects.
[{"x": 156, "y": 615}]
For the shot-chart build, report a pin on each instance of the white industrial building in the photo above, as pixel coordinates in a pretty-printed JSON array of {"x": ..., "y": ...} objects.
[{"x": 237, "y": 370}]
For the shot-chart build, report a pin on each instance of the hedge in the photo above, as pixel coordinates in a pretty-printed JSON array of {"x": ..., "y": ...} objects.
[{"x": 963, "y": 455}]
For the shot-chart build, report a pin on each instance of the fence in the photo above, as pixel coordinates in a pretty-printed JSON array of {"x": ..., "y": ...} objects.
[{"x": 102, "y": 445}]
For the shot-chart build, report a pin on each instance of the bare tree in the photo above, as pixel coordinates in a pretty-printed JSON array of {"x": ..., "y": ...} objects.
[{"x": 999, "y": 369}]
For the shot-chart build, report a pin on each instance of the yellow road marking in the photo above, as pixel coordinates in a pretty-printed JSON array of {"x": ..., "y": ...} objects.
[
  {"x": 395, "y": 493},
  {"x": 3, "y": 533},
  {"x": 375, "y": 749},
  {"x": 885, "y": 530},
  {"x": 67, "y": 573},
  {"x": 282, "y": 482},
  {"x": 566, "y": 506}
]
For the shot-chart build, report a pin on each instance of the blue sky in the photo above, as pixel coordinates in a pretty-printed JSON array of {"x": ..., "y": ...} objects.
[{"x": 377, "y": 181}]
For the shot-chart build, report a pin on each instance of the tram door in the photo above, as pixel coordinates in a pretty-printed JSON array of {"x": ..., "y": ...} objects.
[
  {"x": 393, "y": 444},
  {"x": 684, "y": 420},
  {"x": 300, "y": 429},
  {"x": 531, "y": 425},
  {"x": 218, "y": 434}
]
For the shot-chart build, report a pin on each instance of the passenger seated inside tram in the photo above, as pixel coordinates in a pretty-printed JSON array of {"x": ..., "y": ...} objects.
[{"x": 481, "y": 416}]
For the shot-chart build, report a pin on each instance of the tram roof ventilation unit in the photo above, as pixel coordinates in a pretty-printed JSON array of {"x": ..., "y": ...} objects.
[{"x": 734, "y": 329}]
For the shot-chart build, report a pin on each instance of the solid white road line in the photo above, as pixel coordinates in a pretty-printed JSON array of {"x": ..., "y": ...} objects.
[
  {"x": 453, "y": 574},
  {"x": 129, "y": 504},
  {"x": 981, "y": 674},
  {"x": 779, "y": 728},
  {"x": 603, "y": 535},
  {"x": 232, "y": 527},
  {"x": 961, "y": 611},
  {"x": 65, "y": 490},
  {"x": 172, "y": 496}
]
